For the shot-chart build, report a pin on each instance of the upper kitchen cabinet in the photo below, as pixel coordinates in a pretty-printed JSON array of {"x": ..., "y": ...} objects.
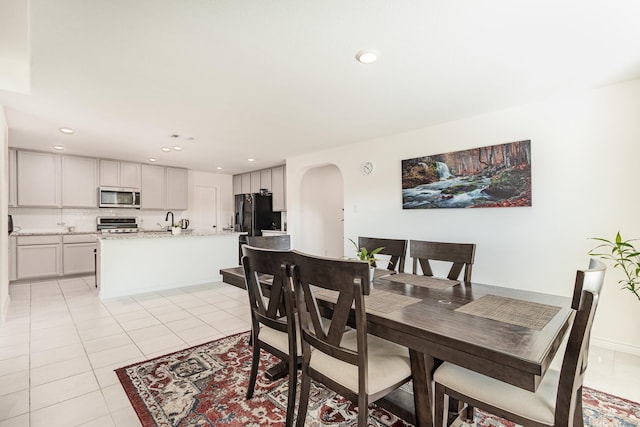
[
  {"x": 278, "y": 189},
  {"x": 246, "y": 183},
  {"x": 265, "y": 179},
  {"x": 177, "y": 189},
  {"x": 255, "y": 182},
  {"x": 38, "y": 179},
  {"x": 114, "y": 173},
  {"x": 79, "y": 182},
  {"x": 13, "y": 189},
  {"x": 237, "y": 184},
  {"x": 153, "y": 187}
]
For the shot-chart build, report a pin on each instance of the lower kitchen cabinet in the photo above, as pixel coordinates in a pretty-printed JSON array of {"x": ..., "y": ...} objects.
[
  {"x": 38, "y": 256},
  {"x": 77, "y": 254}
]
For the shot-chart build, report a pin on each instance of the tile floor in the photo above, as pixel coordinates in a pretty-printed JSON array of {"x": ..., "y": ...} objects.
[{"x": 60, "y": 345}]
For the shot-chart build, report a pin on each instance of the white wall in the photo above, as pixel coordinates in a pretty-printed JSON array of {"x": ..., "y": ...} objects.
[
  {"x": 4, "y": 199},
  {"x": 585, "y": 154},
  {"x": 321, "y": 203}
]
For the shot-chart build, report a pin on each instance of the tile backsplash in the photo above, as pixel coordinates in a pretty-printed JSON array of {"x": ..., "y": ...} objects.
[{"x": 33, "y": 220}]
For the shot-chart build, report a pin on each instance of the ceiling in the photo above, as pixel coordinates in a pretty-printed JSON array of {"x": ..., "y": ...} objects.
[{"x": 273, "y": 79}]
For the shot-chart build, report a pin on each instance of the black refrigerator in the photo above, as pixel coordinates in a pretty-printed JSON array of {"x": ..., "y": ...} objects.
[{"x": 254, "y": 212}]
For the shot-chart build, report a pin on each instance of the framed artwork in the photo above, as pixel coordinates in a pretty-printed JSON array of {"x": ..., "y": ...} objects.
[{"x": 487, "y": 177}]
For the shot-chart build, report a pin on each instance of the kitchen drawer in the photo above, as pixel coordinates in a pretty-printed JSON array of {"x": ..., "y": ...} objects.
[
  {"x": 79, "y": 238},
  {"x": 38, "y": 240}
]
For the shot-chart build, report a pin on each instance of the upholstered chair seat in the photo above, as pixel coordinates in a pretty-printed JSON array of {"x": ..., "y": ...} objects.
[
  {"x": 538, "y": 407},
  {"x": 388, "y": 364}
]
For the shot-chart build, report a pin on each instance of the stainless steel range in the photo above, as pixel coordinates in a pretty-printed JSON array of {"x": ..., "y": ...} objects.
[{"x": 117, "y": 224}]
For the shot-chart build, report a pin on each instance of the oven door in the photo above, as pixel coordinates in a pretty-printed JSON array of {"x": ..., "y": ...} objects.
[{"x": 111, "y": 197}]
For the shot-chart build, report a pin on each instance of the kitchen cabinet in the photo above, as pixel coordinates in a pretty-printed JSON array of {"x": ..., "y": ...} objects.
[
  {"x": 153, "y": 187},
  {"x": 79, "y": 182},
  {"x": 115, "y": 173},
  {"x": 246, "y": 183},
  {"x": 237, "y": 184},
  {"x": 177, "y": 183},
  {"x": 255, "y": 182},
  {"x": 38, "y": 179},
  {"x": 278, "y": 189},
  {"x": 12, "y": 201},
  {"x": 77, "y": 253},
  {"x": 265, "y": 179},
  {"x": 12, "y": 258},
  {"x": 38, "y": 256}
]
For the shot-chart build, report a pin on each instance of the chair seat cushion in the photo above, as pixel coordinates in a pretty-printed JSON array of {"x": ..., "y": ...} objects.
[
  {"x": 388, "y": 364},
  {"x": 277, "y": 339},
  {"x": 538, "y": 406},
  {"x": 280, "y": 340}
]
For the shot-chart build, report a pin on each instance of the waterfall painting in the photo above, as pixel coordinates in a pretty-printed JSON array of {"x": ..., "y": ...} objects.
[{"x": 485, "y": 177}]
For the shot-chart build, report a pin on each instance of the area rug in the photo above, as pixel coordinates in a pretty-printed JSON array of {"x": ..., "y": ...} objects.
[{"x": 205, "y": 385}]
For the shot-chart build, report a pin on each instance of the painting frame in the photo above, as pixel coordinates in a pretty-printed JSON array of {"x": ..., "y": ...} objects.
[{"x": 483, "y": 177}]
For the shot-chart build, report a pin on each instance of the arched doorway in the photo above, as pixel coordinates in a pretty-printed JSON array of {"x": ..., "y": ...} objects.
[{"x": 322, "y": 212}]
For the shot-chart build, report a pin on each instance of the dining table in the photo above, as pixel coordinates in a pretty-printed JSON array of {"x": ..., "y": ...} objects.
[{"x": 503, "y": 332}]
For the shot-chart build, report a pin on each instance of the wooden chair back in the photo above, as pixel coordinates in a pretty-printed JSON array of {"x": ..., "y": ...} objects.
[
  {"x": 272, "y": 309},
  {"x": 267, "y": 282},
  {"x": 349, "y": 279},
  {"x": 396, "y": 248},
  {"x": 282, "y": 242},
  {"x": 574, "y": 364},
  {"x": 461, "y": 255}
]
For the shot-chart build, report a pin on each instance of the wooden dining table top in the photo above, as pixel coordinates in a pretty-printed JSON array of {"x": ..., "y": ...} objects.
[
  {"x": 433, "y": 322},
  {"x": 516, "y": 354}
]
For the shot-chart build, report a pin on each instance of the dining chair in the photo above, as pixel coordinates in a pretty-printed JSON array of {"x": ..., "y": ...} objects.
[
  {"x": 396, "y": 248},
  {"x": 360, "y": 367},
  {"x": 270, "y": 242},
  {"x": 558, "y": 399},
  {"x": 273, "y": 326},
  {"x": 461, "y": 255}
]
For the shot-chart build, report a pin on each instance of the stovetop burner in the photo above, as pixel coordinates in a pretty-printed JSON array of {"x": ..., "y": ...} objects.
[{"x": 117, "y": 224}]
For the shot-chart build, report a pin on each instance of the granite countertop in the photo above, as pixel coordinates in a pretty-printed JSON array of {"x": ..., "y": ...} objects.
[
  {"x": 164, "y": 235},
  {"x": 51, "y": 233}
]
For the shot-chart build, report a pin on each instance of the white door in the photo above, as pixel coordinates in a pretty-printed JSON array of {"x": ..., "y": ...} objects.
[{"x": 205, "y": 208}]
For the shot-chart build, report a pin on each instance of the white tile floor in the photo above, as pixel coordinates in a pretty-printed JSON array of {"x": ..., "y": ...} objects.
[{"x": 60, "y": 345}]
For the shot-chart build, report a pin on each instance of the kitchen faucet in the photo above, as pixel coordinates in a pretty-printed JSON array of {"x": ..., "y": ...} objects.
[{"x": 166, "y": 218}]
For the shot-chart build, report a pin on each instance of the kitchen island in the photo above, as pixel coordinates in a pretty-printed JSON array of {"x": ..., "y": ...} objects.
[{"x": 135, "y": 263}]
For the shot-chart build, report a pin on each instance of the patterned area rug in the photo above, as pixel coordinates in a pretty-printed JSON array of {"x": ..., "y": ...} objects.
[{"x": 206, "y": 385}]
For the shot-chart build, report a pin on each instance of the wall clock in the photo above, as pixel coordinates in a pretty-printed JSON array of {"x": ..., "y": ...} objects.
[{"x": 366, "y": 168}]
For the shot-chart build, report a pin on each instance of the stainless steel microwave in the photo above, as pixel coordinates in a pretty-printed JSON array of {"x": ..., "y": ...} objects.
[{"x": 118, "y": 197}]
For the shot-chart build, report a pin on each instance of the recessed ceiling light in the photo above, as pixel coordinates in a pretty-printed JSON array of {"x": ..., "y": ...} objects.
[
  {"x": 166, "y": 149},
  {"x": 58, "y": 147},
  {"x": 177, "y": 148},
  {"x": 219, "y": 168},
  {"x": 367, "y": 56},
  {"x": 175, "y": 135},
  {"x": 66, "y": 130},
  {"x": 251, "y": 160},
  {"x": 153, "y": 159}
]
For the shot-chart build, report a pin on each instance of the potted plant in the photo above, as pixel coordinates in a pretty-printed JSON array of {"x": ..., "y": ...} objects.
[
  {"x": 369, "y": 256},
  {"x": 625, "y": 257}
]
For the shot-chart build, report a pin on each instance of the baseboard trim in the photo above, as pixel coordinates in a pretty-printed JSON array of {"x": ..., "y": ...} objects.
[{"x": 615, "y": 346}]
